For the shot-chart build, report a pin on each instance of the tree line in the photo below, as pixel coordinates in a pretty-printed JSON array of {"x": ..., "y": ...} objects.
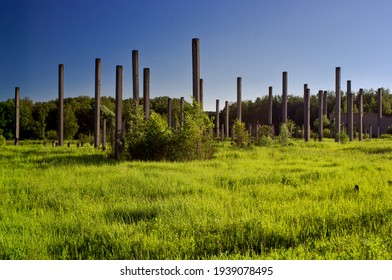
[{"x": 39, "y": 120}]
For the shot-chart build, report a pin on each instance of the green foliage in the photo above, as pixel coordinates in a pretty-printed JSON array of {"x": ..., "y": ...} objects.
[
  {"x": 152, "y": 140},
  {"x": 284, "y": 135},
  {"x": 51, "y": 135},
  {"x": 343, "y": 137},
  {"x": 241, "y": 134},
  {"x": 326, "y": 133},
  {"x": 389, "y": 130},
  {"x": 83, "y": 138},
  {"x": 326, "y": 122},
  {"x": 2, "y": 140},
  {"x": 265, "y": 130},
  {"x": 264, "y": 141}
]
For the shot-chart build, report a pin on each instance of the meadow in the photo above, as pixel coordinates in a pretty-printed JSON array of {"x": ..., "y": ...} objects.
[{"x": 295, "y": 202}]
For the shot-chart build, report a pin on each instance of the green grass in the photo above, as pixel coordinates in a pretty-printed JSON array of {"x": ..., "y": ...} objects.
[{"x": 295, "y": 202}]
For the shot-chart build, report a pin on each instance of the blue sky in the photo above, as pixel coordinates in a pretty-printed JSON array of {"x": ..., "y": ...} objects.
[{"x": 255, "y": 40}]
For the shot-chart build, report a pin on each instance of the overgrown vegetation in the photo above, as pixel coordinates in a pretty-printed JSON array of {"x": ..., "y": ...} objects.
[
  {"x": 152, "y": 139},
  {"x": 296, "y": 202}
]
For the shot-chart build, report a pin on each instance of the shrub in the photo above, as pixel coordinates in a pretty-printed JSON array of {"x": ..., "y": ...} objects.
[
  {"x": 264, "y": 141},
  {"x": 265, "y": 130},
  {"x": 241, "y": 134},
  {"x": 51, "y": 135},
  {"x": 2, "y": 141},
  {"x": 284, "y": 135},
  {"x": 152, "y": 140},
  {"x": 326, "y": 133},
  {"x": 83, "y": 138},
  {"x": 343, "y": 137}
]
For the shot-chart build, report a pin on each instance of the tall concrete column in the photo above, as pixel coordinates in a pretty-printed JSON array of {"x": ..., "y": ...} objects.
[
  {"x": 201, "y": 93},
  {"x": 135, "y": 75},
  {"x": 146, "y": 92},
  {"x": 379, "y": 111},
  {"x": 360, "y": 114},
  {"x": 169, "y": 113},
  {"x": 320, "y": 115},
  {"x": 182, "y": 111},
  {"x": 227, "y": 118},
  {"x": 196, "y": 68},
  {"x": 270, "y": 106},
  {"x": 217, "y": 119},
  {"x": 97, "y": 109},
  {"x": 325, "y": 106},
  {"x": 337, "y": 104},
  {"x": 306, "y": 113},
  {"x": 61, "y": 105},
  {"x": 118, "y": 125},
  {"x": 284, "y": 97},
  {"x": 239, "y": 99},
  {"x": 350, "y": 112},
  {"x": 104, "y": 134},
  {"x": 17, "y": 115}
]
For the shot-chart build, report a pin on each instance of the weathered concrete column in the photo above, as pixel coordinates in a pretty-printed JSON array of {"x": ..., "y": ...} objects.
[
  {"x": 270, "y": 106},
  {"x": 379, "y": 111},
  {"x": 61, "y": 105},
  {"x": 360, "y": 114},
  {"x": 320, "y": 115},
  {"x": 196, "y": 68},
  {"x": 325, "y": 106},
  {"x": 135, "y": 75},
  {"x": 201, "y": 93},
  {"x": 118, "y": 126},
  {"x": 306, "y": 113},
  {"x": 239, "y": 99},
  {"x": 217, "y": 119},
  {"x": 182, "y": 111},
  {"x": 350, "y": 112},
  {"x": 370, "y": 132},
  {"x": 146, "y": 92},
  {"x": 284, "y": 97},
  {"x": 17, "y": 114},
  {"x": 169, "y": 113},
  {"x": 223, "y": 133},
  {"x": 337, "y": 103},
  {"x": 227, "y": 118},
  {"x": 103, "y": 134},
  {"x": 97, "y": 109}
]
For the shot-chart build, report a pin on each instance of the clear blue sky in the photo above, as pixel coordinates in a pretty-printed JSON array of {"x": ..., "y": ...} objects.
[{"x": 256, "y": 40}]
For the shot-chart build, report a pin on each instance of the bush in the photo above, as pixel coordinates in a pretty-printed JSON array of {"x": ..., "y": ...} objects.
[
  {"x": 241, "y": 134},
  {"x": 83, "y": 138},
  {"x": 152, "y": 140},
  {"x": 284, "y": 135},
  {"x": 51, "y": 135},
  {"x": 265, "y": 130},
  {"x": 343, "y": 137},
  {"x": 264, "y": 141},
  {"x": 2, "y": 141},
  {"x": 326, "y": 133}
]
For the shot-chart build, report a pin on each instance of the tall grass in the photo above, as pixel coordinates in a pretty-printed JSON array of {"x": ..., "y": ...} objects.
[{"x": 295, "y": 202}]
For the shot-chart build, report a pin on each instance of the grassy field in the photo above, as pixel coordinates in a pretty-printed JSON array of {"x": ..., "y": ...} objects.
[{"x": 295, "y": 202}]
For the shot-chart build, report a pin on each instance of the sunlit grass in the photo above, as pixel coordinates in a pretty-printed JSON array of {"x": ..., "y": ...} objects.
[{"x": 295, "y": 202}]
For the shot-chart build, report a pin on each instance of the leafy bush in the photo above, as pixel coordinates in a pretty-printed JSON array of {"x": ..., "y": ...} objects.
[
  {"x": 83, "y": 138},
  {"x": 264, "y": 141},
  {"x": 284, "y": 135},
  {"x": 152, "y": 140},
  {"x": 241, "y": 134},
  {"x": 343, "y": 137},
  {"x": 2, "y": 141},
  {"x": 51, "y": 135},
  {"x": 265, "y": 130}
]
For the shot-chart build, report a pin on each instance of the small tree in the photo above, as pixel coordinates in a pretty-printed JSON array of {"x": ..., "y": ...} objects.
[
  {"x": 241, "y": 134},
  {"x": 284, "y": 135}
]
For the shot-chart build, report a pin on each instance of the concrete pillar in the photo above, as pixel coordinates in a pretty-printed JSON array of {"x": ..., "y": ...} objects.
[
  {"x": 306, "y": 113},
  {"x": 104, "y": 134},
  {"x": 325, "y": 106},
  {"x": 17, "y": 115},
  {"x": 337, "y": 104},
  {"x": 350, "y": 112},
  {"x": 223, "y": 132},
  {"x": 61, "y": 105},
  {"x": 239, "y": 99},
  {"x": 379, "y": 111},
  {"x": 182, "y": 111},
  {"x": 284, "y": 97},
  {"x": 169, "y": 113},
  {"x": 227, "y": 118},
  {"x": 370, "y": 132},
  {"x": 118, "y": 125},
  {"x": 146, "y": 92},
  {"x": 201, "y": 93},
  {"x": 320, "y": 115},
  {"x": 270, "y": 106},
  {"x": 135, "y": 75},
  {"x": 196, "y": 68},
  {"x": 217, "y": 119},
  {"x": 360, "y": 114},
  {"x": 97, "y": 109}
]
